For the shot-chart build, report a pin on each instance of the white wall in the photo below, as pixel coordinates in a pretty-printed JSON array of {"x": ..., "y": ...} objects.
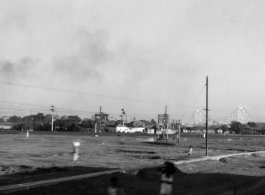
[
  {"x": 169, "y": 131},
  {"x": 122, "y": 129},
  {"x": 5, "y": 127},
  {"x": 138, "y": 129}
]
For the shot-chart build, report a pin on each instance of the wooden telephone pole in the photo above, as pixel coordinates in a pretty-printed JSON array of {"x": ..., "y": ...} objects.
[
  {"x": 206, "y": 116},
  {"x": 52, "y": 109},
  {"x": 179, "y": 131}
]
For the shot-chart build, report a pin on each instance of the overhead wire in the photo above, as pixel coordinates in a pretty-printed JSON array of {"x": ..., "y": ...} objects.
[
  {"x": 72, "y": 111},
  {"x": 193, "y": 102},
  {"x": 90, "y": 94}
]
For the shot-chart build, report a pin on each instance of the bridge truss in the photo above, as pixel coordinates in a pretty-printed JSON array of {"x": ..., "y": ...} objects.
[{"x": 240, "y": 115}]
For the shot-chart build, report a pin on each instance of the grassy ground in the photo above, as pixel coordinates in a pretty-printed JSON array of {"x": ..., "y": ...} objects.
[{"x": 50, "y": 156}]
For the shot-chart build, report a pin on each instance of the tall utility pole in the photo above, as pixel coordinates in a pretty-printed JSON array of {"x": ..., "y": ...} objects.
[
  {"x": 206, "y": 116},
  {"x": 157, "y": 125},
  {"x": 179, "y": 132},
  {"x": 100, "y": 118},
  {"x": 123, "y": 113},
  {"x": 95, "y": 125},
  {"x": 122, "y": 121},
  {"x": 52, "y": 109},
  {"x": 165, "y": 121}
]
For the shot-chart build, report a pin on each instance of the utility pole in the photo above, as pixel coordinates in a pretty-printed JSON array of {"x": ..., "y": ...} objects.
[
  {"x": 123, "y": 113},
  {"x": 179, "y": 131},
  {"x": 122, "y": 120},
  {"x": 157, "y": 125},
  {"x": 206, "y": 116},
  {"x": 165, "y": 121},
  {"x": 52, "y": 109},
  {"x": 100, "y": 119},
  {"x": 95, "y": 125}
]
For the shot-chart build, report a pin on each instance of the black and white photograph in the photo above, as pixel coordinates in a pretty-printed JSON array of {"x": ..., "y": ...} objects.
[{"x": 132, "y": 97}]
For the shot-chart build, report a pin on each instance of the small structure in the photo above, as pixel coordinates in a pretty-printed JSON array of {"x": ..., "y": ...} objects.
[
  {"x": 151, "y": 129},
  {"x": 220, "y": 131},
  {"x": 111, "y": 128},
  {"x": 5, "y": 118},
  {"x": 76, "y": 145},
  {"x": 7, "y": 125},
  {"x": 122, "y": 128},
  {"x": 139, "y": 123},
  {"x": 162, "y": 136},
  {"x": 137, "y": 130}
]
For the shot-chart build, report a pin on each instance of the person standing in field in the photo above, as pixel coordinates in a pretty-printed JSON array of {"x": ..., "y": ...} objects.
[
  {"x": 114, "y": 188},
  {"x": 190, "y": 151},
  {"x": 167, "y": 171}
]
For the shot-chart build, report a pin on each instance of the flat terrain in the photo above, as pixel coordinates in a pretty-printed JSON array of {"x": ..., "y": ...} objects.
[{"x": 44, "y": 156}]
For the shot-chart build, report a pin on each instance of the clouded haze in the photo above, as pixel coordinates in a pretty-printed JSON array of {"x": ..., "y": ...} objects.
[{"x": 137, "y": 55}]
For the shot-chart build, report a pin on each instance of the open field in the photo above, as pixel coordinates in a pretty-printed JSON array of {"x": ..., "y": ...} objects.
[{"x": 44, "y": 156}]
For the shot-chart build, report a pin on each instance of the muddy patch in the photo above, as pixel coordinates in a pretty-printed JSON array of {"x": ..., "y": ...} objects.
[
  {"x": 160, "y": 143},
  {"x": 6, "y": 169},
  {"x": 151, "y": 157},
  {"x": 135, "y": 151}
]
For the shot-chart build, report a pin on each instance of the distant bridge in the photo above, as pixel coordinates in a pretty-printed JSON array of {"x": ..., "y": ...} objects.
[
  {"x": 198, "y": 119},
  {"x": 239, "y": 114}
]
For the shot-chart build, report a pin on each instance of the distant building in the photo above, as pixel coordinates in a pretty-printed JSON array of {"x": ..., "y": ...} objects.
[
  {"x": 7, "y": 125},
  {"x": 151, "y": 129},
  {"x": 137, "y": 130},
  {"x": 139, "y": 123},
  {"x": 219, "y": 131},
  {"x": 123, "y": 128},
  {"x": 5, "y": 118},
  {"x": 111, "y": 128}
]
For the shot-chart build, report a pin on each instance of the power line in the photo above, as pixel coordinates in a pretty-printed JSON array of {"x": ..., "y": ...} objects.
[
  {"x": 89, "y": 94},
  {"x": 71, "y": 111},
  {"x": 193, "y": 102},
  {"x": 238, "y": 103}
]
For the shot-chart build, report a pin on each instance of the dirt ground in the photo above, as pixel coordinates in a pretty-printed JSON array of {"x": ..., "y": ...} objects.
[{"x": 40, "y": 157}]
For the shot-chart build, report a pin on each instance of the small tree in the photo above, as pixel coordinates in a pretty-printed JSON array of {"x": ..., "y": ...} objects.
[
  {"x": 224, "y": 128},
  {"x": 237, "y": 127},
  {"x": 153, "y": 122},
  {"x": 15, "y": 119},
  {"x": 252, "y": 124}
]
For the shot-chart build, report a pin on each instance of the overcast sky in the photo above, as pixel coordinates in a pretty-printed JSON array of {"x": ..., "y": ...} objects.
[{"x": 139, "y": 55}]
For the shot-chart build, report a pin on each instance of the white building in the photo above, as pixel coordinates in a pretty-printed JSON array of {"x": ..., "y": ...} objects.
[
  {"x": 137, "y": 129},
  {"x": 166, "y": 131},
  {"x": 122, "y": 128}
]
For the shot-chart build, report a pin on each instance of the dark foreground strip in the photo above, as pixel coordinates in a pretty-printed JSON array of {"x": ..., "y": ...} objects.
[{"x": 25, "y": 186}]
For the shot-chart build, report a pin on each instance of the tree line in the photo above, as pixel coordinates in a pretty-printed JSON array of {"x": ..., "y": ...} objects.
[
  {"x": 41, "y": 122},
  {"x": 234, "y": 127},
  {"x": 74, "y": 123}
]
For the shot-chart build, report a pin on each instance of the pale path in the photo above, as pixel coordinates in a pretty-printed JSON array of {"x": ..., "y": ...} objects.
[
  {"x": 26, "y": 186},
  {"x": 216, "y": 157}
]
